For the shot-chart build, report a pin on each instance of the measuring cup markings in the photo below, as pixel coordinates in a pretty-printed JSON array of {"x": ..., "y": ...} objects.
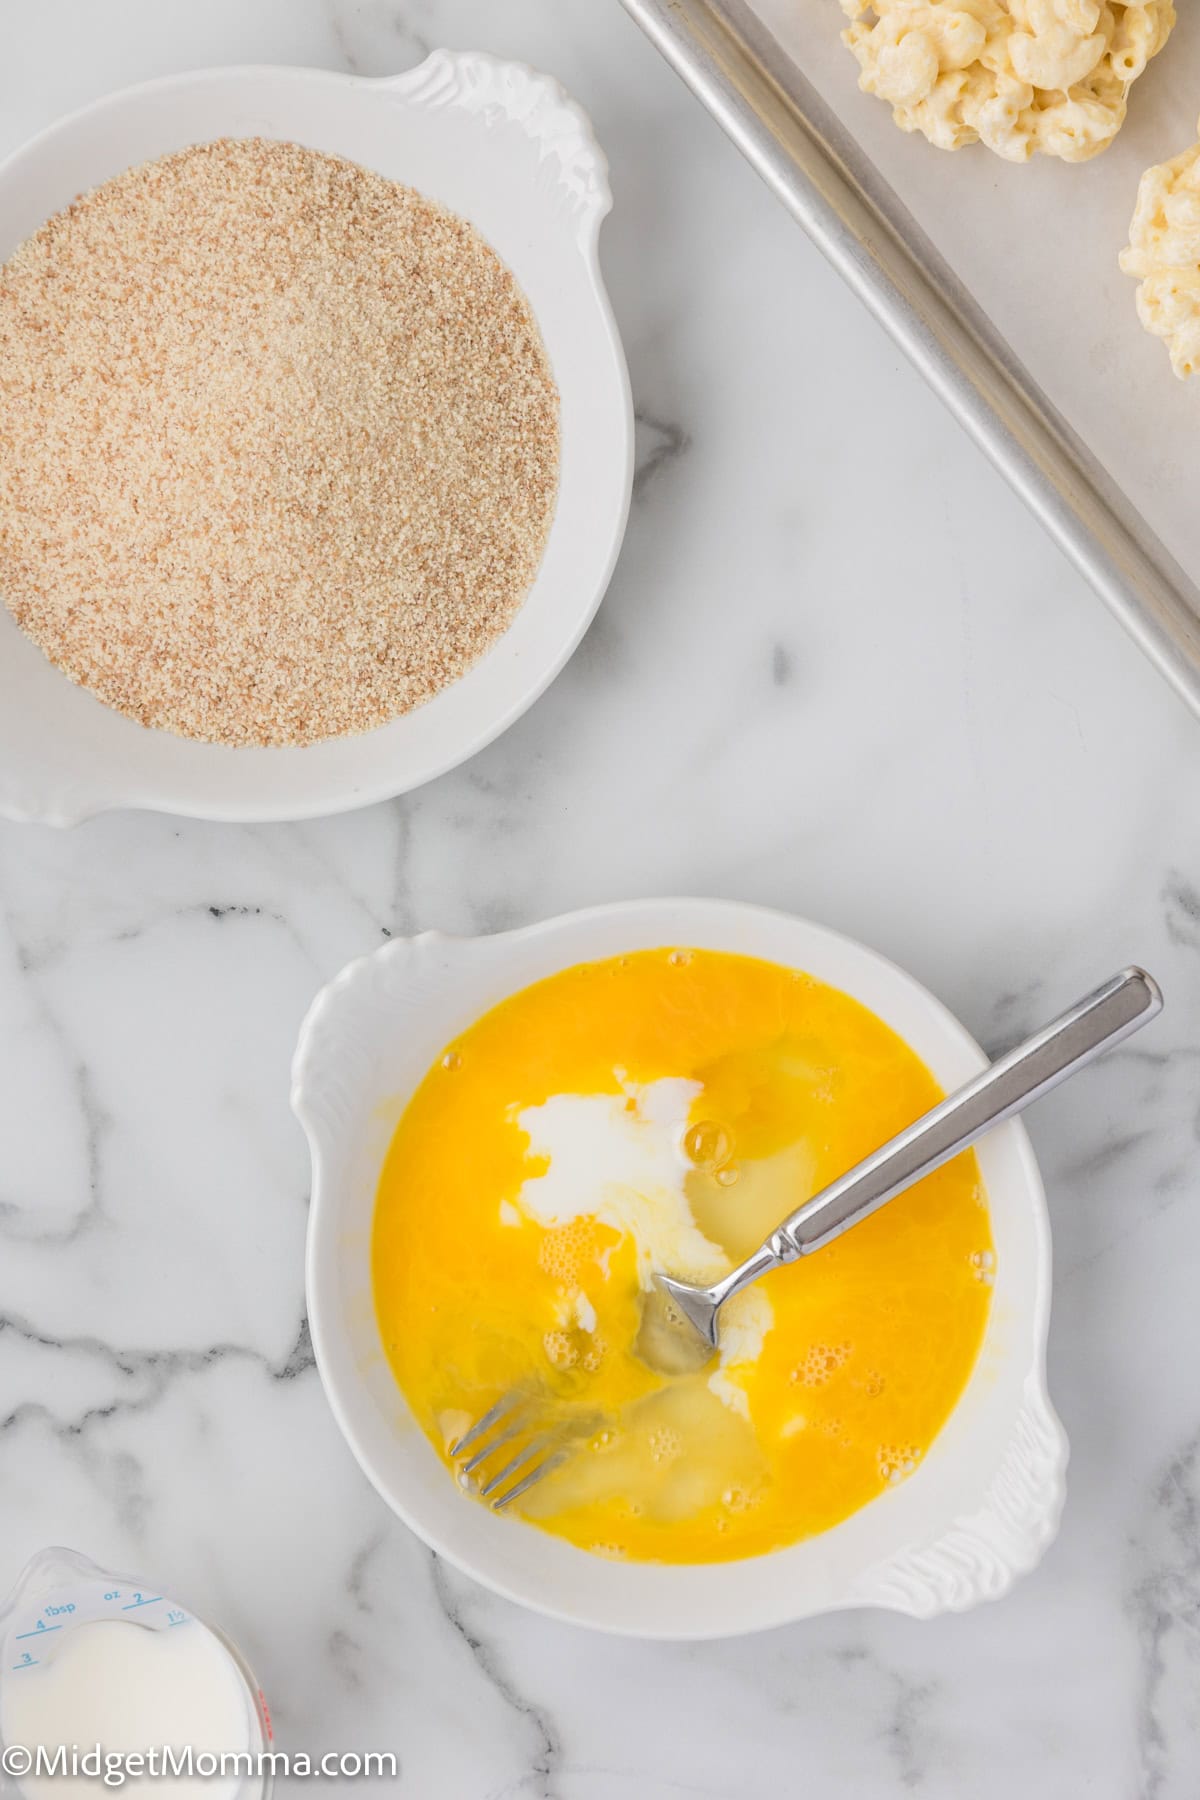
[{"x": 60, "y": 1588}]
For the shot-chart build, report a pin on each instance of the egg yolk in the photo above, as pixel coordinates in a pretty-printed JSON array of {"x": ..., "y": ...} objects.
[{"x": 662, "y": 1112}]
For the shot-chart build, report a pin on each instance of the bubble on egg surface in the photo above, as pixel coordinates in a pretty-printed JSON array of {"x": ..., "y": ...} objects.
[
  {"x": 560, "y": 1350},
  {"x": 896, "y": 1462},
  {"x": 707, "y": 1145},
  {"x": 665, "y": 1444},
  {"x": 821, "y": 1362},
  {"x": 565, "y": 1249}
]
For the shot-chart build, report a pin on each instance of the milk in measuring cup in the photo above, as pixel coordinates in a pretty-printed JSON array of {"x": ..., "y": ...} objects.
[{"x": 94, "y": 1659}]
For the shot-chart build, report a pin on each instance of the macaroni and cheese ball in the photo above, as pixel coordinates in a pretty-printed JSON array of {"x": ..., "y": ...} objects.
[
  {"x": 1164, "y": 254},
  {"x": 1016, "y": 75}
]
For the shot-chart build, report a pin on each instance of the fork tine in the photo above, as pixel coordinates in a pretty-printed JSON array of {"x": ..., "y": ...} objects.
[
  {"x": 512, "y": 1422},
  {"x": 527, "y": 1481},
  {"x": 494, "y": 1444},
  {"x": 533, "y": 1448},
  {"x": 494, "y": 1414}
]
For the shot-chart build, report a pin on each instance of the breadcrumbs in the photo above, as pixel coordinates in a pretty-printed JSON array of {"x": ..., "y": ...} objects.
[{"x": 278, "y": 444}]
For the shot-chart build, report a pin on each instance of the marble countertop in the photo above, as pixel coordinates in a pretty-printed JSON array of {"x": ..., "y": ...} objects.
[{"x": 839, "y": 671}]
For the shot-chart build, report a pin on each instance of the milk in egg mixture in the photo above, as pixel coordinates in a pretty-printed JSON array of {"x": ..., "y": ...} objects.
[
  {"x": 626, "y": 1160},
  {"x": 661, "y": 1113}
]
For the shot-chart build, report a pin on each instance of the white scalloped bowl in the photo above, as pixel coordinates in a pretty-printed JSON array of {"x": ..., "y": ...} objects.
[
  {"x": 503, "y": 147},
  {"x": 985, "y": 1502}
]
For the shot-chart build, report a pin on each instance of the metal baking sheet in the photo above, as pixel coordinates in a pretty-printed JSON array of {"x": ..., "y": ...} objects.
[{"x": 999, "y": 281}]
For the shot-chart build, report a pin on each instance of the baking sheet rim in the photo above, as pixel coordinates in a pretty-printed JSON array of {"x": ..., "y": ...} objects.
[{"x": 729, "y": 59}]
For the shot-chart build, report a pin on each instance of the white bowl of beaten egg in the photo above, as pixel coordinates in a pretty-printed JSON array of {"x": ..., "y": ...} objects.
[
  {"x": 315, "y": 435},
  {"x": 511, "y": 1134}
]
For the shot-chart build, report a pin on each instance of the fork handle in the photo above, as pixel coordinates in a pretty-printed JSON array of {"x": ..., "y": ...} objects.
[{"x": 1106, "y": 1017}]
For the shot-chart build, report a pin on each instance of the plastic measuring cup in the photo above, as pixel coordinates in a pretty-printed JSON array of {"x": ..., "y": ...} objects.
[{"x": 60, "y": 1594}]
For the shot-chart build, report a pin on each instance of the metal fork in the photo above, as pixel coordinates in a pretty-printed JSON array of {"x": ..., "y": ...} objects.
[
  {"x": 517, "y": 1422},
  {"x": 1004, "y": 1089}
]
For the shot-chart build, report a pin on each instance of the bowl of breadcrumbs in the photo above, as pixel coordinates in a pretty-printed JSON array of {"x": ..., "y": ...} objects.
[{"x": 315, "y": 435}]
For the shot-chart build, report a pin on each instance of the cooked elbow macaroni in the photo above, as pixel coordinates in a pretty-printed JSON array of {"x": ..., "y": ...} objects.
[
  {"x": 1018, "y": 75},
  {"x": 1164, "y": 253}
]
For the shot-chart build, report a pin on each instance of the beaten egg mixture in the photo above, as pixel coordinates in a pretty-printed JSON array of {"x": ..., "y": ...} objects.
[{"x": 664, "y": 1111}]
